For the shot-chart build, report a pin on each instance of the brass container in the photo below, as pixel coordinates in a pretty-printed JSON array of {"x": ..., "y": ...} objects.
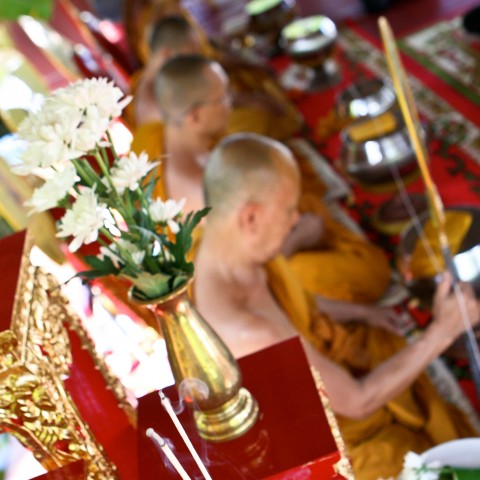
[{"x": 205, "y": 371}]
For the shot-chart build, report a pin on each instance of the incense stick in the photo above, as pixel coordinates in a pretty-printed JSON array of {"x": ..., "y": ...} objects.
[
  {"x": 160, "y": 443},
  {"x": 168, "y": 408}
]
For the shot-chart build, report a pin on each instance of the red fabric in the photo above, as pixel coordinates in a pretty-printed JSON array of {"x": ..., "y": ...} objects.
[{"x": 99, "y": 408}]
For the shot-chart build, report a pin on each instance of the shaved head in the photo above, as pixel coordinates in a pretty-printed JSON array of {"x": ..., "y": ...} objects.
[
  {"x": 171, "y": 31},
  {"x": 183, "y": 83},
  {"x": 246, "y": 167}
]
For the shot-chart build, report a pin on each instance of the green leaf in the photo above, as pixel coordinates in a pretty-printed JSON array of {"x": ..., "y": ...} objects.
[
  {"x": 12, "y": 9},
  {"x": 105, "y": 265},
  {"x": 149, "y": 185},
  {"x": 151, "y": 286},
  {"x": 466, "y": 473},
  {"x": 100, "y": 268},
  {"x": 183, "y": 239}
]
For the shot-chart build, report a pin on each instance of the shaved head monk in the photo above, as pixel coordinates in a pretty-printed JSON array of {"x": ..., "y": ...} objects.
[{"x": 384, "y": 402}]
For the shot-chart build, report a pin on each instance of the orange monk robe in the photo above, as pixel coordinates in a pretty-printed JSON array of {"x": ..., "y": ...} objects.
[
  {"x": 249, "y": 117},
  {"x": 346, "y": 267},
  {"x": 415, "y": 420},
  {"x": 248, "y": 81}
]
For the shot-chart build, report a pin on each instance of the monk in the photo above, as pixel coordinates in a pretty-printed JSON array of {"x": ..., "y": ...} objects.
[
  {"x": 259, "y": 103},
  {"x": 171, "y": 36},
  {"x": 195, "y": 102},
  {"x": 193, "y": 94},
  {"x": 383, "y": 401}
]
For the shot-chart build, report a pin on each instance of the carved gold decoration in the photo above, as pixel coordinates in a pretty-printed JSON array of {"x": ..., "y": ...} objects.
[
  {"x": 34, "y": 359},
  {"x": 343, "y": 466},
  {"x": 60, "y": 308}
]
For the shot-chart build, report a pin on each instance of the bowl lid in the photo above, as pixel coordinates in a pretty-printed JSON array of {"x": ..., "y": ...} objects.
[
  {"x": 310, "y": 26},
  {"x": 257, "y": 7}
]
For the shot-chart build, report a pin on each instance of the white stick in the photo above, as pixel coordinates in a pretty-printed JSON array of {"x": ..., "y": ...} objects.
[
  {"x": 160, "y": 442},
  {"x": 168, "y": 408}
]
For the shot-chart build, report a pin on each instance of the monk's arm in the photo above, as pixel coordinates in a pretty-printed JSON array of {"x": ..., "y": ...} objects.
[
  {"x": 305, "y": 235},
  {"x": 383, "y": 317},
  {"x": 357, "y": 398}
]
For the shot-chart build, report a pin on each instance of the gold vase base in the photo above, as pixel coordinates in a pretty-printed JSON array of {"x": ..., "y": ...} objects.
[{"x": 233, "y": 419}]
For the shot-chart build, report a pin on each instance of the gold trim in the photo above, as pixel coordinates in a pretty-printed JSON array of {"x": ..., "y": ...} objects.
[
  {"x": 35, "y": 355},
  {"x": 343, "y": 466}
]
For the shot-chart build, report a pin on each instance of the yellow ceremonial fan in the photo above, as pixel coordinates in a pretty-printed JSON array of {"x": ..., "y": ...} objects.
[
  {"x": 437, "y": 214},
  {"x": 410, "y": 116}
]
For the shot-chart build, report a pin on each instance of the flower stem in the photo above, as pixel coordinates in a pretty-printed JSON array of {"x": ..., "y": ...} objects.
[{"x": 84, "y": 173}]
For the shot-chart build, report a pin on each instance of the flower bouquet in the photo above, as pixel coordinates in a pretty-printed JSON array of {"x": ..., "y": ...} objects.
[
  {"x": 416, "y": 468},
  {"x": 107, "y": 197}
]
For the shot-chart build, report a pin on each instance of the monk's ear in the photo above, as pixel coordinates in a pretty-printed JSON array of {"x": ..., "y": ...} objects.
[{"x": 249, "y": 217}]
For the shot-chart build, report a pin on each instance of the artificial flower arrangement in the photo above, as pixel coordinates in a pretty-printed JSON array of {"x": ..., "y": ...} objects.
[
  {"x": 107, "y": 197},
  {"x": 414, "y": 468}
]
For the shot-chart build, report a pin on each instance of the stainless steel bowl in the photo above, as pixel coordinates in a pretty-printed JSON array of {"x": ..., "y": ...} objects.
[
  {"x": 466, "y": 261},
  {"x": 367, "y": 97},
  {"x": 268, "y": 17},
  {"x": 309, "y": 40},
  {"x": 379, "y": 159}
]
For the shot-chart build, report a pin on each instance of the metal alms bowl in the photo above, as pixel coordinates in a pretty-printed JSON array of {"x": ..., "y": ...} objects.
[
  {"x": 366, "y": 97},
  {"x": 270, "y": 16},
  {"x": 466, "y": 260},
  {"x": 380, "y": 158},
  {"x": 309, "y": 40}
]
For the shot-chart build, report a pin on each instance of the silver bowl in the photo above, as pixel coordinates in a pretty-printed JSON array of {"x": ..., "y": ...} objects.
[
  {"x": 309, "y": 40},
  {"x": 268, "y": 17},
  {"x": 466, "y": 260},
  {"x": 367, "y": 97},
  {"x": 379, "y": 159}
]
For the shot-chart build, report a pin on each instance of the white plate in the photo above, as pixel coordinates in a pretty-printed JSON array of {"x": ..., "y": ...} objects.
[{"x": 458, "y": 453}]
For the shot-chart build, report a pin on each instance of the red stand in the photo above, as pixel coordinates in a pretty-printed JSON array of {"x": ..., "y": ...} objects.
[{"x": 292, "y": 436}]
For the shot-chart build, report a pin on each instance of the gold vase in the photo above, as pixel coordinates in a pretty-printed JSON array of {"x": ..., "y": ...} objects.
[{"x": 205, "y": 371}]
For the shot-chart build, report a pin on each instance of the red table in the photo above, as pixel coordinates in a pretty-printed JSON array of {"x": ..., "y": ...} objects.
[{"x": 292, "y": 438}]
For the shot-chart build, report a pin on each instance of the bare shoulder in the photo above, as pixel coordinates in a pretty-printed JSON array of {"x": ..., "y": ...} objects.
[{"x": 215, "y": 298}]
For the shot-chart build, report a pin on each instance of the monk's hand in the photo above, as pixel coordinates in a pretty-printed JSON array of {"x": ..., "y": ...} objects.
[
  {"x": 389, "y": 319},
  {"x": 454, "y": 309},
  {"x": 306, "y": 234}
]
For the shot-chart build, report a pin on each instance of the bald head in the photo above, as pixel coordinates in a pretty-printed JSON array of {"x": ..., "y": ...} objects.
[
  {"x": 246, "y": 167},
  {"x": 182, "y": 83},
  {"x": 170, "y": 32}
]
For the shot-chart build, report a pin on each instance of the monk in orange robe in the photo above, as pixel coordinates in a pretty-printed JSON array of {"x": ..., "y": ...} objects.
[
  {"x": 329, "y": 259},
  {"x": 259, "y": 103},
  {"x": 384, "y": 403}
]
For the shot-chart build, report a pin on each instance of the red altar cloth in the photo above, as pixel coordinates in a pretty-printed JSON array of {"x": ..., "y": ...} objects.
[{"x": 292, "y": 438}]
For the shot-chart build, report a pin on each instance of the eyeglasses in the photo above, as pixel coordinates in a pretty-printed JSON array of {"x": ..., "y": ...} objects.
[{"x": 225, "y": 99}]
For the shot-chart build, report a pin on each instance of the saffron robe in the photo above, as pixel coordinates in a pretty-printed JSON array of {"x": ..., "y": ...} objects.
[
  {"x": 346, "y": 267},
  {"x": 247, "y": 81},
  {"x": 415, "y": 420}
]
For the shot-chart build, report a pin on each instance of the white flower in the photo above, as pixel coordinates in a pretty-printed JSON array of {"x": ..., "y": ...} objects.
[
  {"x": 83, "y": 220},
  {"x": 129, "y": 170},
  {"x": 116, "y": 249},
  {"x": 70, "y": 123},
  {"x": 98, "y": 93},
  {"x": 415, "y": 469},
  {"x": 165, "y": 212},
  {"x": 53, "y": 190},
  {"x": 49, "y": 141}
]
